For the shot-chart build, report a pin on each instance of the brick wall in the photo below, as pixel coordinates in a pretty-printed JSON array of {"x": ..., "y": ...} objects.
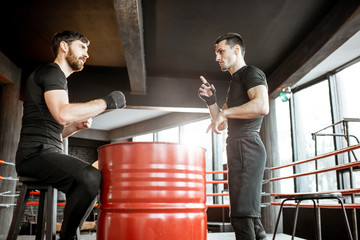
[
  {"x": 84, "y": 149},
  {"x": 87, "y": 154}
]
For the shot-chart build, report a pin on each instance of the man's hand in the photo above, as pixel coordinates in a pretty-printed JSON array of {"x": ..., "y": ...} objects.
[
  {"x": 84, "y": 125},
  {"x": 218, "y": 124},
  {"x": 75, "y": 127},
  {"x": 115, "y": 100},
  {"x": 206, "y": 92}
]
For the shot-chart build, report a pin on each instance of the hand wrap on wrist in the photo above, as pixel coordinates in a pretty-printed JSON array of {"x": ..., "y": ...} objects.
[
  {"x": 115, "y": 100},
  {"x": 210, "y": 100}
]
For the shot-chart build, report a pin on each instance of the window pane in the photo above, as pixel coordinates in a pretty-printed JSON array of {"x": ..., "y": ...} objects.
[
  {"x": 144, "y": 138},
  {"x": 284, "y": 145},
  {"x": 169, "y": 135},
  {"x": 195, "y": 134},
  {"x": 348, "y": 85},
  {"x": 312, "y": 113}
]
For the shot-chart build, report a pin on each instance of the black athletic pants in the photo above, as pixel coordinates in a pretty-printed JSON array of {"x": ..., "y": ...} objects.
[
  {"x": 76, "y": 178},
  {"x": 248, "y": 228},
  {"x": 246, "y": 157}
]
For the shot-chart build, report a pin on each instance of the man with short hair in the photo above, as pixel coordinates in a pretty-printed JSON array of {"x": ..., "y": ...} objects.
[
  {"x": 48, "y": 118},
  {"x": 246, "y": 104}
]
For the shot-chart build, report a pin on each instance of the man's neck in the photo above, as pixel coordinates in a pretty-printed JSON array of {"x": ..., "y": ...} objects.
[
  {"x": 238, "y": 64},
  {"x": 64, "y": 66}
]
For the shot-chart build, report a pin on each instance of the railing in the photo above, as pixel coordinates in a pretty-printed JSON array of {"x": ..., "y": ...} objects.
[
  {"x": 335, "y": 168},
  {"x": 349, "y": 190},
  {"x": 221, "y": 194},
  {"x": 7, "y": 193},
  {"x": 223, "y": 181}
]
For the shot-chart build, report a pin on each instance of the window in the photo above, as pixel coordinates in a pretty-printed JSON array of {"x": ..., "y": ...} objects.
[
  {"x": 195, "y": 134},
  {"x": 312, "y": 112},
  {"x": 284, "y": 145},
  {"x": 144, "y": 138},
  {"x": 319, "y": 108},
  {"x": 169, "y": 135},
  {"x": 347, "y": 84}
]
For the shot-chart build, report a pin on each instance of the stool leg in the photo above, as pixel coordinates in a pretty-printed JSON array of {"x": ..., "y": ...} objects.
[
  {"x": 18, "y": 213},
  {"x": 40, "y": 226},
  {"x": 346, "y": 219},
  {"x": 295, "y": 219},
  {"x": 51, "y": 208},
  {"x": 317, "y": 224},
  {"x": 91, "y": 207},
  {"x": 78, "y": 233},
  {"x": 278, "y": 218}
]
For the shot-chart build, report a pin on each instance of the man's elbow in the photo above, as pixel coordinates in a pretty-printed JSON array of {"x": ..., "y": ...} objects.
[
  {"x": 62, "y": 122},
  {"x": 63, "y": 119},
  {"x": 264, "y": 110},
  {"x": 261, "y": 106}
]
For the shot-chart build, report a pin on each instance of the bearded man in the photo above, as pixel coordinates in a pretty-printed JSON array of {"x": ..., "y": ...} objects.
[{"x": 48, "y": 118}]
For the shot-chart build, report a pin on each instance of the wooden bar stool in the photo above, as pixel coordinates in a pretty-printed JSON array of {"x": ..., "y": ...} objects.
[
  {"x": 301, "y": 197},
  {"x": 48, "y": 198}
]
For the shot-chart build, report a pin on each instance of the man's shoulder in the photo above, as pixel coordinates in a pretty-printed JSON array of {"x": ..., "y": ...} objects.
[
  {"x": 254, "y": 76},
  {"x": 49, "y": 70},
  {"x": 253, "y": 69},
  {"x": 48, "y": 67}
]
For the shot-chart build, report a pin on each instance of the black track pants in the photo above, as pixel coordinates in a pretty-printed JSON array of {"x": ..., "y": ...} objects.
[{"x": 76, "y": 178}]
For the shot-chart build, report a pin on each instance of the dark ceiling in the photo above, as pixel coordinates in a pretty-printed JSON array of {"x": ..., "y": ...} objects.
[{"x": 155, "y": 50}]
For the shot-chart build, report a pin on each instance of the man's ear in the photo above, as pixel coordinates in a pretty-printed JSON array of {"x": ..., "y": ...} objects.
[
  {"x": 237, "y": 49},
  {"x": 64, "y": 46}
]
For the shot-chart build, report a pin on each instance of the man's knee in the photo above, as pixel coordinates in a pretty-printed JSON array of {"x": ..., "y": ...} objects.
[{"x": 90, "y": 179}]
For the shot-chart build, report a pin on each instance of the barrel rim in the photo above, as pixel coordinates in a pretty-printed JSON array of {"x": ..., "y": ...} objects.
[{"x": 152, "y": 143}]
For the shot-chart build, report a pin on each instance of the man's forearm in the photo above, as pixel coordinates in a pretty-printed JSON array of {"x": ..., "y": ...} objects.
[
  {"x": 249, "y": 110},
  {"x": 77, "y": 112},
  {"x": 70, "y": 130},
  {"x": 214, "y": 110}
]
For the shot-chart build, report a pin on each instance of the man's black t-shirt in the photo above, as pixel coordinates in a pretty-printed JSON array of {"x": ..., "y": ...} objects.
[
  {"x": 39, "y": 128},
  {"x": 245, "y": 78}
]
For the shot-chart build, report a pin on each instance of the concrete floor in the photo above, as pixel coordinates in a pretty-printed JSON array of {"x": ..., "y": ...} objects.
[{"x": 211, "y": 236}]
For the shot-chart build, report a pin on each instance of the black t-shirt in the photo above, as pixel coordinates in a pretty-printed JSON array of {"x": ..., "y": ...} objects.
[
  {"x": 39, "y": 128},
  {"x": 245, "y": 78}
]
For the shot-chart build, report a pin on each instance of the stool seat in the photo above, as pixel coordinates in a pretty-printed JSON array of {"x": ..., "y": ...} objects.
[
  {"x": 309, "y": 196},
  {"x": 48, "y": 198},
  {"x": 299, "y": 197}
]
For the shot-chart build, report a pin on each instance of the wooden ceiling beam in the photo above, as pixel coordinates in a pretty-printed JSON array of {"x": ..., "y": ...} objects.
[
  {"x": 130, "y": 21},
  {"x": 342, "y": 22}
]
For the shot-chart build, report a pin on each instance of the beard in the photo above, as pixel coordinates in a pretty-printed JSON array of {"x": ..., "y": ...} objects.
[{"x": 75, "y": 64}]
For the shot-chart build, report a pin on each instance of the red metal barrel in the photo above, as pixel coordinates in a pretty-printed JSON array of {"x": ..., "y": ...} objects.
[{"x": 152, "y": 191}]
